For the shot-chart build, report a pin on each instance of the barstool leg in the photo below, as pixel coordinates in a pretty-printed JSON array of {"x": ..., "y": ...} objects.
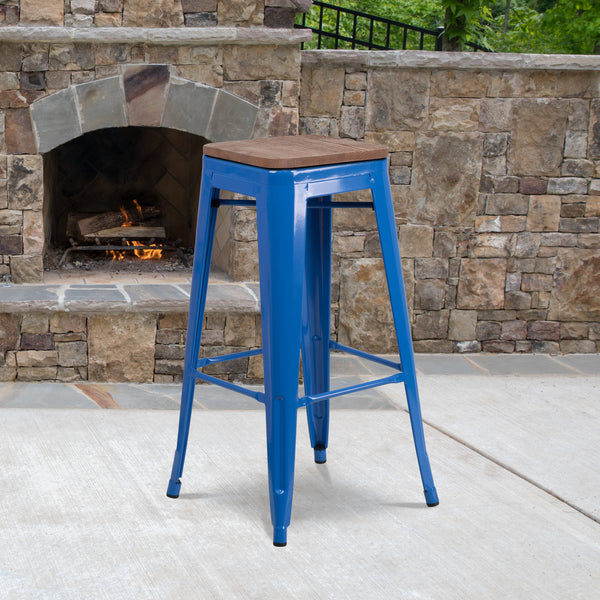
[
  {"x": 384, "y": 212},
  {"x": 316, "y": 320},
  {"x": 207, "y": 215},
  {"x": 281, "y": 238}
]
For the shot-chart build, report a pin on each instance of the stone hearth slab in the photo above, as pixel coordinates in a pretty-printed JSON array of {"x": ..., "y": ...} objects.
[{"x": 150, "y": 297}]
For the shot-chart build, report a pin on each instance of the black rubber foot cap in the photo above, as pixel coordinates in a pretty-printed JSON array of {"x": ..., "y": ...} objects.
[
  {"x": 279, "y": 544},
  {"x": 434, "y": 504},
  {"x": 321, "y": 462},
  {"x": 172, "y": 496}
]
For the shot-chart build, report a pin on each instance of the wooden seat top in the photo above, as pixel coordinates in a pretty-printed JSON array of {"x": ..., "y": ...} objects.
[{"x": 295, "y": 151}]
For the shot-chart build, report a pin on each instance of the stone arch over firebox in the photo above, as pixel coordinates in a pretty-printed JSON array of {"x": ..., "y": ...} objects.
[{"x": 143, "y": 96}]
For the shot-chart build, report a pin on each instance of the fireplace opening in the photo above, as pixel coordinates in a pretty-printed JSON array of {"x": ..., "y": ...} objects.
[{"x": 120, "y": 199}]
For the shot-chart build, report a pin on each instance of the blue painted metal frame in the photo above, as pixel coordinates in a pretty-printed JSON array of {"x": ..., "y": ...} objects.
[{"x": 294, "y": 222}]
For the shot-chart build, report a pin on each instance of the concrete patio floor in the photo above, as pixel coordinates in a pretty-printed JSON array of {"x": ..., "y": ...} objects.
[{"x": 513, "y": 441}]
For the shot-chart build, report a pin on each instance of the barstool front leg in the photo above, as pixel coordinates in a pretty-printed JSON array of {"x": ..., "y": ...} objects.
[
  {"x": 386, "y": 224},
  {"x": 281, "y": 216},
  {"x": 316, "y": 323},
  {"x": 207, "y": 215}
]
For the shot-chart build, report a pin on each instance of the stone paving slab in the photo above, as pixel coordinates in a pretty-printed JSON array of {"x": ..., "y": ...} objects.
[
  {"x": 544, "y": 427},
  {"x": 84, "y": 515}
]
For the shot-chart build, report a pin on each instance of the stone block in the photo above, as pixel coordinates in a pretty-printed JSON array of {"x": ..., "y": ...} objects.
[
  {"x": 158, "y": 13},
  {"x": 495, "y": 144},
  {"x": 101, "y": 104},
  {"x": 232, "y": 118},
  {"x": 532, "y": 185},
  {"x": 196, "y": 6},
  {"x": 522, "y": 83},
  {"x": 481, "y": 284},
  {"x": 11, "y": 244},
  {"x": 488, "y": 330},
  {"x": 453, "y": 114},
  {"x": 544, "y": 331},
  {"x": 356, "y": 81},
  {"x": 573, "y": 210},
  {"x": 398, "y": 99},
  {"x": 577, "y": 281},
  {"x": 121, "y": 347},
  {"x": 400, "y": 175},
  {"x": 33, "y": 232},
  {"x": 110, "y": 6},
  {"x": 72, "y": 354},
  {"x": 394, "y": 141},
  {"x": 322, "y": 92},
  {"x": 416, "y": 240},
  {"x": 492, "y": 245},
  {"x": 26, "y": 269},
  {"x": 594, "y": 188},
  {"x": 431, "y": 325},
  {"x": 9, "y": 15},
  {"x": 34, "y": 323},
  {"x": 536, "y": 282},
  {"x": 495, "y": 114},
  {"x": 145, "y": 93},
  {"x": 583, "y": 225},
  {"x": 35, "y": 358},
  {"x": 48, "y": 12},
  {"x": 578, "y": 115},
  {"x": 348, "y": 244},
  {"x": 9, "y": 332},
  {"x": 538, "y": 131},
  {"x": 37, "y": 341},
  {"x": 573, "y": 167},
  {"x": 25, "y": 183},
  {"x": 544, "y": 213},
  {"x": 498, "y": 347},
  {"x": 462, "y": 325},
  {"x": 37, "y": 373},
  {"x": 169, "y": 367},
  {"x": 445, "y": 178},
  {"x": 459, "y": 84},
  {"x": 594, "y": 142},
  {"x": 62, "y": 322},
  {"x": 256, "y": 63},
  {"x": 55, "y": 119},
  {"x": 19, "y": 132},
  {"x": 577, "y": 347},
  {"x": 352, "y": 122},
  {"x": 108, "y": 20},
  {"x": 71, "y": 57},
  {"x": 430, "y": 294},
  {"x": 279, "y": 17},
  {"x": 83, "y": 7},
  {"x": 507, "y": 204},
  {"x": 240, "y": 330},
  {"x": 567, "y": 185},
  {"x": 169, "y": 351},
  {"x": 574, "y": 331},
  {"x": 241, "y": 12},
  {"x": 365, "y": 319},
  {"x": 189, "y": 106},
  {"x": 431, "y": 268}
]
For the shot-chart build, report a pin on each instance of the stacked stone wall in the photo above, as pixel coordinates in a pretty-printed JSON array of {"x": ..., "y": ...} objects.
[
  {"x": 149, "y": 13},
  {"x": 495, "y": 172},
  {"x": 111, "y": 347}
]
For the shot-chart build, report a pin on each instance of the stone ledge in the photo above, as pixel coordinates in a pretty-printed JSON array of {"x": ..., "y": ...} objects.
[
  {"x": 114, "y": 298},
  {"x": 172, "y": 36},
  {"x": 422, "y": 59}
]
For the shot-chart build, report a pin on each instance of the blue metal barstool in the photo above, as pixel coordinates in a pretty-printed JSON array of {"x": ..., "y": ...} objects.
[{"x": 292, "y": 180}]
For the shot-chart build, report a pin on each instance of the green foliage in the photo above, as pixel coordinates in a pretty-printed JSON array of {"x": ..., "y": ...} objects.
[
  {"x": 541, "y": 26},
  {"x": 567, "y": 27}
]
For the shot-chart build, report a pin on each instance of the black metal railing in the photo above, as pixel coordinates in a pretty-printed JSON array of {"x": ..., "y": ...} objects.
[{"x": 335, "y": 27}]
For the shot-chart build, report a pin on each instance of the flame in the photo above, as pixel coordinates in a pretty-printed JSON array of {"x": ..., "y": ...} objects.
[{"x": 153, "y": 253}]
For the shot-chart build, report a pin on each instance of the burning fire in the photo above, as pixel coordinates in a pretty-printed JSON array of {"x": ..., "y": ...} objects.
[{"x": 152, "y": 253}]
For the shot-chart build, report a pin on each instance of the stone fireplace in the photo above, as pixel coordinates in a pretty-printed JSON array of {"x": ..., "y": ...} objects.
[{"x": 108, "y": 103}]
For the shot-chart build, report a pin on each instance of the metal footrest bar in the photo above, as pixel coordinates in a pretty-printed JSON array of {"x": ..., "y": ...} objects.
[
  {"x": 372, "y": 357},
  {"x": 211, "y": 360},
  {"x": 305, "y": 400},
  {"x": 260, "y": 396}
]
